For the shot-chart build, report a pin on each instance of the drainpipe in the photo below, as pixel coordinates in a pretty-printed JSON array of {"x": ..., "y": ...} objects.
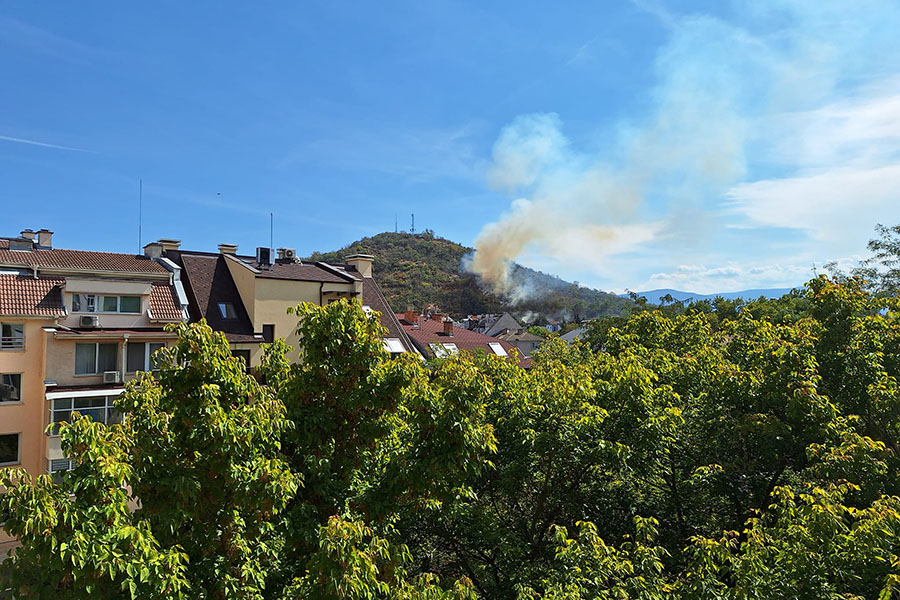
[
  {"x": 321, "y": 285},
  {"x": 124, "y": 347}
]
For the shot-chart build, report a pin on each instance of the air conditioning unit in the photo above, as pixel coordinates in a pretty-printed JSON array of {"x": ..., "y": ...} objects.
[
  {"x": 264, "y": 256},
  {"x": 90, "y": 321},
  {"x": 110, "y": 377},
  {"x": 290, "y": 253}
]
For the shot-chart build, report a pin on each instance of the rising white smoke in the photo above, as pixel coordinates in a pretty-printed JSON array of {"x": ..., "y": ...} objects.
[{"x": 725, "y": 101}]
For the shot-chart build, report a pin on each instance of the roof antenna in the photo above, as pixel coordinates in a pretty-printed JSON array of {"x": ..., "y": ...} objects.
[
  {"x": 271, "y": 230},
  {"x": 140, "y": 214}
]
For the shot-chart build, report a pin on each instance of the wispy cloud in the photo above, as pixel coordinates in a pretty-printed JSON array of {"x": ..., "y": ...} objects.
[
  {"x": 16, "y": 140},
  {"x": 42, "y": 41}
]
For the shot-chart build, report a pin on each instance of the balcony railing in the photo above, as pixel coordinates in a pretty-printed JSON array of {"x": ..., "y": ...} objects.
[{"x": 12, "y": 343}]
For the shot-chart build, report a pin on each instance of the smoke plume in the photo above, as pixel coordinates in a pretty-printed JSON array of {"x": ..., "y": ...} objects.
[{"x": 720, "y": 106}]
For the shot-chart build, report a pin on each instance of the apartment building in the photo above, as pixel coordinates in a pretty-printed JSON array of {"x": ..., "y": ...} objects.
[
  {"x": 247, "y": 297},
  {"x": 76, "y": 325}
]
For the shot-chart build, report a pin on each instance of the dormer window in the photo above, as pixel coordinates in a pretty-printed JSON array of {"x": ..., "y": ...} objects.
[{"x": 226, "y": 309}]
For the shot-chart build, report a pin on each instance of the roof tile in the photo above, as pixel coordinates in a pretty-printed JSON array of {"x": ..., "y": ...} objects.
[
  {"x": 22, "y": 295},
  {"x": 79, "y": 259}
]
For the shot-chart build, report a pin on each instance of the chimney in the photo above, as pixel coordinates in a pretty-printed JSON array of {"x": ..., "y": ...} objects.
[
  {"x": 228, "y": 248},
  {"x": 28, "y": 234},
  {"x": 362, "y": 262},
  {"x": 153, "y": 250},
  {"x": 45, "y": 238},
  {"x": 448, "y": 326},
  {"x": 411, "y": 317},
  {"x": 169, "y": 244},
  {"x": 437, "y": 317}
]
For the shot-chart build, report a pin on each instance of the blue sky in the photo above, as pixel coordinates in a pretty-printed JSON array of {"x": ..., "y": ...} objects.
[{"x": 707, "y": 146}]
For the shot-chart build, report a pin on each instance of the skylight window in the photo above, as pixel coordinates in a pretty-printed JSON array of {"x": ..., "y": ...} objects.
[
  {"x": 226, "y": 309},
  {"x": 444, "y": 350},
  {"x": 497, "y": 348},
  {"x": 393, "y": 345}
]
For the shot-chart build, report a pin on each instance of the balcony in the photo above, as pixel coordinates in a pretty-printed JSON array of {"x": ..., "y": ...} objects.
[{"x": 12, "y": 342}]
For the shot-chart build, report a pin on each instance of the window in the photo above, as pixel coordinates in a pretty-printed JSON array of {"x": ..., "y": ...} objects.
[
  {"x": 444, "y": 350},
  {"x": 226, "y": 309},
  {"x": 91, "y": 359},
  {"x": 120, "y": 304},
  {"x": 393, "y": 345},
  {"x": 84, "y": 303},
  {"x": 96, "y": 408},
  {"x": 12, "y": 336},
  {"x": 497, "y": 348},
  {"x": 244, "y": 355},
  {"x": 10, "y": 387},
  {"x": 9, "y": 449},
  {"x": 139, "y": 356},
  {"x": 268, "y": 333}
]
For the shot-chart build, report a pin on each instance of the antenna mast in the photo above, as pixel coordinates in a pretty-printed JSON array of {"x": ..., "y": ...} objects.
[
  {"x": 413, "y": 228},
  {"x": 140, "y": 213},
  {"x": 271, "y": 230}
]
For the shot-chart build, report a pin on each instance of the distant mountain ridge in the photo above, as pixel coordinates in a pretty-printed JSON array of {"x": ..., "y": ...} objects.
[
  {"x": 653, "y": 296},
  {"x": 421, "y": 269}
]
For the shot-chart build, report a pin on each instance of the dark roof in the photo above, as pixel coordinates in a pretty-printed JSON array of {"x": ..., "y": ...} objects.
[
  {"x": 79, "y": 259},
  {"x": 520, "y": 336},
  {"x": 373, "y": 297},
  {"x": 164, "y": 303},
  {"x": 315, "y": 271},
  {"x": 506, "y": 321},
  {"x": 23, "y": 295},
  {"x": 207, "y": 282},
  {"x": 431, "y": 331}
]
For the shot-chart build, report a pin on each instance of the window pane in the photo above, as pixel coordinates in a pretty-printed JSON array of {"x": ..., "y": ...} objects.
[
  {"x": 83, "y": 303},
  {"x": 93, "y": 402},
  {"x": 110, "y": 303},
  {"x": 9, "y": 448},
  {"x": 154, "y": 346},
  {"x": 94, "y": 414},
  {"x": 58, "y": 417},
  {"x": 114, "y": 416},
  {"x": 130, "y": 304},
  {"x": 10, "y": 387},
  {"x": 85, "y": 359},
  {"x": 135, "y": 357},
  {"x": 106, "y": 357},
  {"x": 62, "y": 403}
]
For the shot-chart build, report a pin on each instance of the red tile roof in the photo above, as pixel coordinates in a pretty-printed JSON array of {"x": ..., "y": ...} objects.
[
  {"x": 432, "y": 332},
  {"x": 164, "y": 304},
  {"x": 79, "y": 259},
  {"x": 22, "y": 295}
]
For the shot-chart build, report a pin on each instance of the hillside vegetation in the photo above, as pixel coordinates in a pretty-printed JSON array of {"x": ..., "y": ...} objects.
[{"x": 418, "y": 270}]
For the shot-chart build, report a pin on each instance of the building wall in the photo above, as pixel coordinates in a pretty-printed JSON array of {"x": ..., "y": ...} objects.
[
  {"x": 28, "y": 417},
  {"x": 61, "y": 357},
  {"x": 245, "y": 281},
  {"x": 109, "y": 288},
  {"x": 274, "y": 297}
]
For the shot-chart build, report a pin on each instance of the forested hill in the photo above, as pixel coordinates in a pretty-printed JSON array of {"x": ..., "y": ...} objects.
[{"x": 416, "y": 270}]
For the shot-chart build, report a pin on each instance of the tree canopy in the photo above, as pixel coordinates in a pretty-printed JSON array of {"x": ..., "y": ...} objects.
[{"x": 670, "y": 455}]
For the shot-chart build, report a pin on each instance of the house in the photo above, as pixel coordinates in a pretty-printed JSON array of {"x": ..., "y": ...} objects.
[
  {"x": 577, "y": 333},
  {"x": 506, "y": 322},
  {"x": 439, "y": 337},
  {"x": 525, "y": 342},
  {"x": 247, "y": 297}
]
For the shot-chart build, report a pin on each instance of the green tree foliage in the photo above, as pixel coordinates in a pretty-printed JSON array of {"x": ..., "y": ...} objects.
[{"x": 672, "y": 455}]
